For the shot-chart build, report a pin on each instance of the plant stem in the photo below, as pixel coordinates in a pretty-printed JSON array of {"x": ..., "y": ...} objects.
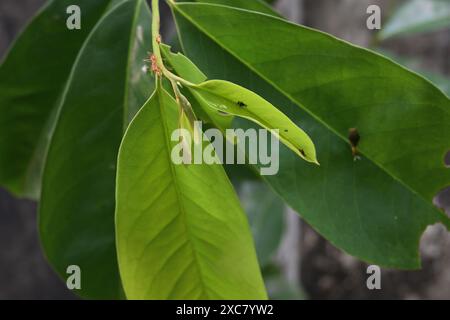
[
  {"x": 156, "y": 40},
  {"x": 161, "y": 70},
  {"x": 156, "y": 25}
]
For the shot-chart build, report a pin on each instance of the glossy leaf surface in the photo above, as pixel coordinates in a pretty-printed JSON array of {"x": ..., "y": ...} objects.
[{"x": 181, "y": 233}]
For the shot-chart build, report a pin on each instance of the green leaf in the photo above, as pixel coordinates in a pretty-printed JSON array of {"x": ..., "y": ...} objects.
[
  {"x": 181, "y": 233},
  {"x": 186, "y": 69},
  {"x": 375, "y": 208},
  {"x": 183, "y": 66},
  {"x": 417, "y": 16},
  {"x": 229, "y": 98},
  {"x": 32, "y": 79},
  {"x": 106, "y": 86}
]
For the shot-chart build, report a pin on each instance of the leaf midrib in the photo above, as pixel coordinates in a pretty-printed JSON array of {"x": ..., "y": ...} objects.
[{"x": 159, "y": 92}]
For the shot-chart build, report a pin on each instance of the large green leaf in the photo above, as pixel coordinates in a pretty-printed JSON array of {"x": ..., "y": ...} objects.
[
  {"x": 375, "y": 208},
  {"x": 416, "y": 16},
  {"x": 181, "y": 233},
  {"x": 106, "y": 86},
  {"x": 32, "y": 80}
]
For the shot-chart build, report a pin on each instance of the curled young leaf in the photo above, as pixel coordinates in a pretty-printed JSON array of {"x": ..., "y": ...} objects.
[
  {"x": 186, "y": 69},
  {"x": 230, "y": 98}
]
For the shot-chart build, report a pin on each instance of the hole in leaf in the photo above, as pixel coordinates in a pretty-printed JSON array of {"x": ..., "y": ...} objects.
[
  {"x": 302, "y": 152},
  {"x": 241, "y": 104}
]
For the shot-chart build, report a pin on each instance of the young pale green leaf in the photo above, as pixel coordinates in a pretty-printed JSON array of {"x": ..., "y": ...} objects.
[
  {"x": 417, "y": 16},
  {"x": 106, "y": 86},
  {"x": 181, "y": 233},
  {"x": 32, "y": 81},
  {"x": 186, "y": 69},
  {"x": 230, "y": 98},
  {"x": 375, "y": 208}
]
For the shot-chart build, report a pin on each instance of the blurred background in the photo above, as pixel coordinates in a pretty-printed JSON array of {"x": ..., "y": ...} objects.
[{"x": 297, "y": 263}]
